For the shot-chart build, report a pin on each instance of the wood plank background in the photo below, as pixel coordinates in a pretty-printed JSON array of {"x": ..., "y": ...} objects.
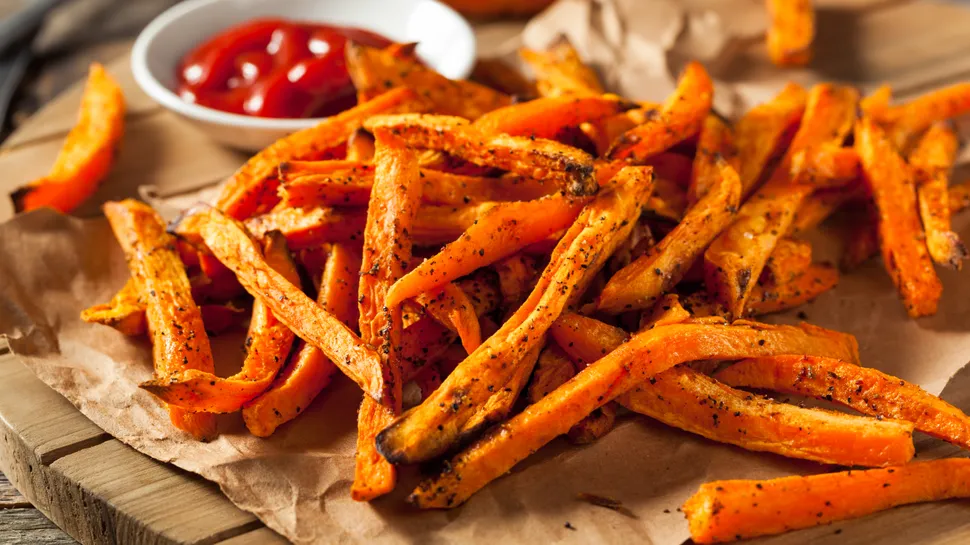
[{"x": 101, "y": 491}]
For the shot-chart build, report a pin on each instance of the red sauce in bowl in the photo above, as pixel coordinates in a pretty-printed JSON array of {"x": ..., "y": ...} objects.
[{"x": 274, "y": 68}]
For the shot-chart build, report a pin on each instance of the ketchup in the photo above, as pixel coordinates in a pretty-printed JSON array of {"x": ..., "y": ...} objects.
[{"x": 274, "y": 68}]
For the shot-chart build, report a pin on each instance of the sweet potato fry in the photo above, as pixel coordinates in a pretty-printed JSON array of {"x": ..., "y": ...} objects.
[
  {"x": 542, "y": 159},
  {"x": 347, "y": 183},
  {"x": 642, "y": 357},
  {"x": 452, "y": 308},
  {"x": 267, "y": 345},
  {"x": 499, "y": 75},
  {"x": 681, "y": 117},
  {"x": 640, "y": 284},
  {"x": 958, "y": 196},
  {"x": 909, "y": 120},
  {"x": 360, "y": 146},
  {"x": 310, "y": 227},
  {"x": 309, "y": 372},
  {"x": 394, "y": 202},
  {"x": 814, "y": 281},
  {"x": 605, "y": 131},
  {"x": 87, "y": 153},
  {"x": 230, "y": 243},
  {"x": 791, "y": 32},
  {"x": 789, "y": 260},
  {"x": 668, "y": 310},
  {"x": 716, "y": 141},
  {"x": 827, "y": 165},
  {"x": 546, "y": 117},
  {"x": 499, "y": 405},
  {"x": 432, "y": 427},
  {"x": 729, "y": 510},
  {"x": 900, "y": 233},
  {"x": 125, "y": 312},
  {"x": 560, "y": 71},
  {"x": 876, "y": 103},
  {"x": 668, "y": 201},
  {"x": 931, "y": 161},
  {"x": 252, "y": 189},
  {"x": 375, "y": 71},
  {"x": 482, "y": 291},
  {"x": 552, "y": 370},
  {"x": 734, "y": 261},
  {"x": 866, "y": 390},
  {"x": 501, "y": 231},
  {"x": 761, "y": 132},
  {"x": 179, "y": 341}
]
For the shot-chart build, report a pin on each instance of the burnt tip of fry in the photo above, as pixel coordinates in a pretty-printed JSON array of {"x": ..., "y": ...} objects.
[{"x": 384, "y": 441}]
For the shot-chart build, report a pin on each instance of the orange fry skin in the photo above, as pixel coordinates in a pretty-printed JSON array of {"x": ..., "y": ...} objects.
[
  {"x": 640, "y": 284},
  {"x": 230, "y": 243},
  {"x": 252, "y": 189},
  {"x": 539, "y": 158},
  {"x": 360, "y": 146},
  {"x": 686, "y": 399},
  {"x": 791, "y": 32},
  {"x": 931, "y": 161},
  {"x": 866, "y": 390},
  {"x": 909, "y": 120},
  {"x": 729, "y": 510},
  {"x": 645, "y": 355},
  {"x": 375, "y": 71},
  {"x": 790, "y": 259},
  {"x": 452, "y": 308},
  {"x": 267, "y": 345},
  {"x": 179, "y": 340},
  {"x": 825, "y": 166},
  {"x": 87, "y": 153},
  {"x": 814, "y": 281},
  {"x": 716, "y": 142},
  {"x": 681, "y": 117},
  {"x": 900, "y": 234},
  {"x": 560, "y": 71},
  {"x": 761, "y": 131},
  {"x": 431, "y": 428},
  {"x": 734, "y": 261},
  {"x": 500, "y": 232},
  {"x": 958, "y": 196},
  {"x": 309, "y": 370},
  {"x": 546, "y": 117}
]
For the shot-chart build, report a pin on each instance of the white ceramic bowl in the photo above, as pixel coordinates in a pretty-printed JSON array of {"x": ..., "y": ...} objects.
[{"x": 445, "y": 42}]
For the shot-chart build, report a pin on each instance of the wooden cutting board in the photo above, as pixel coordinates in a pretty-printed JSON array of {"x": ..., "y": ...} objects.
[{"x": 101, "y": 491}]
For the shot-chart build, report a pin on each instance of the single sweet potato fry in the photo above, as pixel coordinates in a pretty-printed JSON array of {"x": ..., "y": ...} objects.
[
  {"x": 375, "y": 71},
  {"x": 908, "y": 121},
  {"x": 360, "y": 146},
  {"x": 681, "y": 117},
  {"x": 876, "y": 103},
  {"x": 641, "y": 283},
  {"x": 252, "y": 189},
  {"x": 863, "y": 389},
  {"x": 645, "y": 355},
  {"x": 311, "y": 227},
  {"x": 814, "y": 281},
  {"x": 87, "y": 153},
  {"x": 790, "y": 258},
  {"x": 347, "y": 183},
  {"x": 730, "y": 510},
  {"x": 452, "y": 308},
  {"x": 761, "y": 133},
  {"x": 267, "y": 346},
  {"x": 501, "y": 231},
  {"x": 179, "y": 341},
  {"x": 546, "y": 117},
  {"x": 900, "y": 234},
  {"x": 791, "y": 32},
  {"x": 560, "y": 71},
  {"x": 394, "y": 202},
  {"x": 432, "y": 427},
  {"x": 716, "y": 142},
  {"x": 734, "y": 261},
  {"x": 309, "y": 370},
  {"x": 931, "y": 161},
  {"x": 499, "y": 75},
  {"x": 570, "y": 168},
  {"x": 230, "y": 242},
  {"x": 125, "y": 312}
]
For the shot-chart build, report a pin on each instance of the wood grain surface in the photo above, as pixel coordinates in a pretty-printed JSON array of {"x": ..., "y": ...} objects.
[{"x": 101, "y": 491}]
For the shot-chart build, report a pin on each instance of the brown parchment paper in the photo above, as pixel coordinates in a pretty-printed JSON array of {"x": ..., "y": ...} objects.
[{"x": 298, "y": 481}]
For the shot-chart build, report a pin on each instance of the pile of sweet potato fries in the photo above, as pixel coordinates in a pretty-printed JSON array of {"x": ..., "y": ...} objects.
[{"x": 495, "y": 272}]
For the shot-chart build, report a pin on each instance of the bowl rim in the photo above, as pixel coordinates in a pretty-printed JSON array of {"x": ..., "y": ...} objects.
[{"x": 170, "y": 100}]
